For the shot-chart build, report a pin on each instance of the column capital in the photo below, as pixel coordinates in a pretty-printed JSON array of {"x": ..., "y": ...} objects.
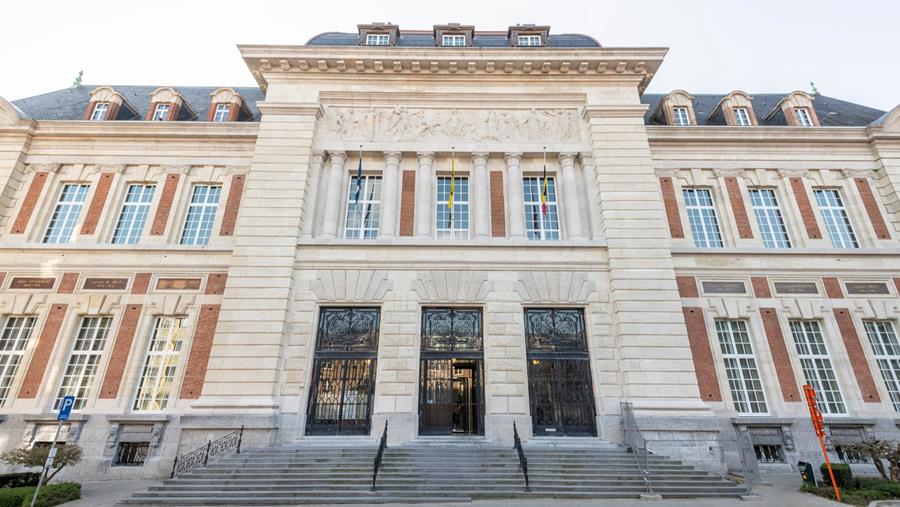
[
  {"x": 392, "y": 157},
  {"x": 587, "y": 158},
  {"x": 566, "y": 159},
  {"x": 513, "y": 157},
  {"x": 337, "y": 157},
  {"x": 425, "y": 157},
  {"x": 480, "y": 157},
  {"x": 318, "y": 156}
]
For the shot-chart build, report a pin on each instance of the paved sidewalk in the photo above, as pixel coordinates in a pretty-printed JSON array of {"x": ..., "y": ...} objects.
[{"x": 105, "y": 493}]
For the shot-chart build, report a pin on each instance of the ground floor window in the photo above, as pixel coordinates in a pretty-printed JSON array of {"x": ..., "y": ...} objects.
[
  {"x": 768, "y": 453},
  {"x": 131, "y": 453}
]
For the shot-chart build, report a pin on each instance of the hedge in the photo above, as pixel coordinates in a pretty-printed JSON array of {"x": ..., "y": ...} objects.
[
  {"x": 19, "y": 480},
  {"x": 50, "y": 495},
  {"x": 842, "y": 475}
]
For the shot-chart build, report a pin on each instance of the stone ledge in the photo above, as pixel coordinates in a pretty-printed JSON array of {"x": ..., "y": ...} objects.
[
  {"x": 138, "y": 418},
  {"x": 228, "y": 421},
  {"x": 51, "y": 418}
]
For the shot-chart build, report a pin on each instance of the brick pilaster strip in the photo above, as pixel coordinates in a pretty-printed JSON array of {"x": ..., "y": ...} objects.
[
  {"x": 98, "y": 202},
  {"x": 761, "y": 287},
  {"x": 671, "y": 204},
  {"x": 868, "y": 199},
  {"x": 235, "y": 192},
  {"x": 687, "y": 286},
  {"x": 498, "y": 206},
  {"x": 778, "y": 348},
  {"x": 31, "y": 383},
  {"x": 806, "y": 211},
  {"x": 150, "y": 111},
  {"x": 165, "y": 205},
  {"x": 833, "y": 287},
  {"x": 857, "y": 356},
  {"x": 408, "y": 204},
  {"x": 198, "y": 361},
  {"x": 737, "y": 207},
  {"x": 141, "y": 283},
  {"x": 897, "y": 284},
  {"x": 120, "y": 352},
  {"x": 113, "y": 112},
  {"x": 2, "y": 278},
  {"x": 89, "y": 111},
  {"x": 704, "y": 365},
  {"x": 215, "y": 284},
  {"x": 29, "y": 202},
  {"x": 68, "y": 283}
]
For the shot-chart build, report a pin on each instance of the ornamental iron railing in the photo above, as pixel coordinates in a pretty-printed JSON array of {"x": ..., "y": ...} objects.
[
  {"x": 523, "y": 461},
  {"x": 214, "y": 449}
]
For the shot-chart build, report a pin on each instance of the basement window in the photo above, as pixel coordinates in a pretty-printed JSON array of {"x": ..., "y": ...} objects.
[{"x": 131, "y": 454}]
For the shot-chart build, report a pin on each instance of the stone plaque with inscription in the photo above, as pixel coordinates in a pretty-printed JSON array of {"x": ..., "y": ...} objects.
[
  {"x": 105, "y": 284},
  {"x": 796, "y": 288},
  {"x": 178, "y": 284},
  {"x": 867, "y": 288},
  {"x": 21, "y": 282},
  {"x": 724, "y": 288}
]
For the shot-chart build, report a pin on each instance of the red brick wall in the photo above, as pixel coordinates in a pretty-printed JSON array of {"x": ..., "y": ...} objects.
[
  {"x": 687, "y": 286},
  {"x": 194, "y": 375},
  {"x": 704, "y": 365},
  {"x": 98, "y": 202},
  {"x": 806, "y": 211},
  {"x": 215, "y": 283},
  {"x": 856, "y": 356},
  {"x": 778, "y": 348},
  {"x": 120, "y": 351},
  {"x": 67, "y": 284},
  {"x": 29, "y": 202},
  {"x": 671, "y": 204},
  {"x": 897, "y": 284},
  {"x": 761, "y": 286},
  {"x": 832, "y": 287},
  {"x": 498, "y": 206},
  {"x": 737, "y": 207},
  {"x": 42, "y": 351},
  {"x": 141, "y": 283},
  {"x": 408, "y": 204},
  {"x": 165, "y": 205},
  {"x": 229, "y": 218},
  {"x": 868, "y": 199}
]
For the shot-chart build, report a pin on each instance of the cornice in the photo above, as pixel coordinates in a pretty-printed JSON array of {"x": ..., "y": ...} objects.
[
  {"x": 147, "y": 129},
  {"x": 767, "y": 135}
]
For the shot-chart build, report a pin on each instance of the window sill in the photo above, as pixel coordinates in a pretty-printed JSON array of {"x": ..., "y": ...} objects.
[
  {"x": 468, "y": 243},
  {"x": 833, "y": 252}
]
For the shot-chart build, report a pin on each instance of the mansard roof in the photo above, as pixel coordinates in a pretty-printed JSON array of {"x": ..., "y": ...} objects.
[{"x": 421, "y": 38}]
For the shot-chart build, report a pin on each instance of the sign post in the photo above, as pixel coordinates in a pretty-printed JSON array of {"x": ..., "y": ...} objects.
[
  {"x": 816, "y": 415},
  {"x": 65, "y": 408}
]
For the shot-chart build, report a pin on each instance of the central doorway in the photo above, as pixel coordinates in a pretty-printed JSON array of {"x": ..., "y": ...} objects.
[{"x": 451, "y": 372}]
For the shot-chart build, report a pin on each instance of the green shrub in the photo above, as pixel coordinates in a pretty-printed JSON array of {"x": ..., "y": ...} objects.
[
  {"x": 15, "y": 497},
  {"x": 55, "y": 494},
  {"x": 842, "y": 475},
  {"x": 19, "y": 480}
]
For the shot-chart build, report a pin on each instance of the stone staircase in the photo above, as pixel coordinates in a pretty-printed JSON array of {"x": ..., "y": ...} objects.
[{"x": 427, "y": 472}]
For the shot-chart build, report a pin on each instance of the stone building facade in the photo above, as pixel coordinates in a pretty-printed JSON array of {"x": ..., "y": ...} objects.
[{"x": 187, "y": 261}]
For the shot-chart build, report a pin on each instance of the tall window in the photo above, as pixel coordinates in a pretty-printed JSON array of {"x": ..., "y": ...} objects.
[
  {"x": 453, "y": 40},
  {"x": 222, "y": 113},
  {"x": 886, "y": 348},
  {"x": 99, "y": 112},
  {"x": 682, "y": 119},
  {"x": 529, "y": 40},
  {"x": 801, "y": 114},
  {"x": 742, "y": 116},
  {"x": 836, "y": 220},
  {"x": 453, "y": 225},
  {"x": 16, "y": 332},
  {"x": 816, "y": 364},
  {"x": 133, "y": 216},
  {"x": 201, "y": 215},
  {"x": 161, "y": 113},
  {"x": 540, "y": 224},
  {"x": 768, "y": 218},
  {"x": 62, "y": 223},
  {"x": 363, "y": 215},
  {"x": 84, "y": 361},
  {"x": 702, "y": 216},
  {"x": 378, "y": 39},
  {"x": 740, "y": 366},
  {"x": 159, "y": 366}
]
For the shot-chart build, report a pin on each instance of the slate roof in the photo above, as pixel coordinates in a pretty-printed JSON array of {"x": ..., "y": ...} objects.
[
  {"x": 70, "y": 103},
  {"x": 480, "y": 40},
  {"x": 832, "y": 112}
]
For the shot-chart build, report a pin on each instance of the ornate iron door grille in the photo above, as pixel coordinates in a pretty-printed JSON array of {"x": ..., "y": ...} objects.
[
  {"x": 340, "y": 401},
  {"x": 559, "y": 373}
]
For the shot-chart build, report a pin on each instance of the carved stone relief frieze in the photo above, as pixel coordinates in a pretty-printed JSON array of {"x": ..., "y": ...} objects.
[{"x": 452, "y": 286}]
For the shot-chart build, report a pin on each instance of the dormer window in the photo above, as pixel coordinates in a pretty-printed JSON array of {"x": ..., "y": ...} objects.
[
  {"x": 528, "y": 36},
  {"x": 161, "y": 113},
  {"x": 453, "y": 40},
  {"x": 682, "y": 118},
  {"x": 223, "y": 111},
  {"x": 378, "y": 39},
  {"x": 801, "y": 114},
  {"x": 742, "y": 117},
  {"x": 529, "y": 41},
  {"x": 99, "y": 112}
]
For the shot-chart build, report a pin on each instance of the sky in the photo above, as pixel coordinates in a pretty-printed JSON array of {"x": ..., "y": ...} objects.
[{"x": 850, "y": 50}]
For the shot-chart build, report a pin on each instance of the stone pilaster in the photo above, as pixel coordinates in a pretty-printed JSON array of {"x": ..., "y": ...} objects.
[
  {"x": 390, "y": 195},
  {"x": 590, "y": 190},
  {"x": 570, "y": 192},
  {"x": 333, "y": 194},
  {"x": 309, "y": 208},
  {"x": 424, "y": 194},
  {"x": 515, "y": 196},
  {"x": 480, "y": 196}
]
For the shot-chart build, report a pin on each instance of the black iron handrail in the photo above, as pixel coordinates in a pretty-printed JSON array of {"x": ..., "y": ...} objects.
[
  {"x": 199, "y": 457},
  {"x": 379, "y": 455},
  {"x": 523, "y": 461},
  {"x": 634, "y": 439}
]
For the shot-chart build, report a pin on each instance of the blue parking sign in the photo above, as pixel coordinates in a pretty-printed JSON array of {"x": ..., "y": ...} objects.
[{"x": 65, "y": 408}]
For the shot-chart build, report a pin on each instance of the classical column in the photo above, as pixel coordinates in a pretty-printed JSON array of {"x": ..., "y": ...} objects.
[
  {"x": 570, "y": 192},
  {"x": 390, "y": 194},
  {"x": 334, "y": 192},
  {"x": 480, "y": 196},
  {"x": 590, "y": 189},
  {"x": 424, "y": 196},
  {"x": 515, "y": 196},
  {"x": 312, "y": 193}
]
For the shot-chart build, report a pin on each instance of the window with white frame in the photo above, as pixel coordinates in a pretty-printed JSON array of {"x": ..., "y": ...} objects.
[
  {"x": 161, "y": 113},
  {"x": 99, "y": 112},
  {"x": 13, "y": 342},
  {"x": 451, "y": 224},
  {"x": 363, "y": 208},
  {"x": 133, "y": 216},
  {"x": 223, "y": 111},
  {"x": 886, "y": 349},
  {"x": 740, "y": 366},
  {"x": 701, "y": 212},
  {"x": 158, "y": 373},
  {"x": 837, "y": 222},
  {"x": 378, "y": 39},
  {"x": 801, "y": 114},
  {"x": 65, "y": 214},
  {"x": 768, "y": 218},
  {"x": 816, "y": 365},
  {"x": 540, "y": 223},
  {"x": 201, "y": 215},
  {"x": 84, "y": 361},
  {"x": 682, "y": 118},
  {"x": 528, "y": 40},
  {"x": 453, "y": 40},
  {"x": 742, "y": 116}
]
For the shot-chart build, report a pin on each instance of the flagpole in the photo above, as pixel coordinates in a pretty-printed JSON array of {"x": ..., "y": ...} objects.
[
  {"x": 452, "y": 188},
  {"x": 544, "y": 189}
]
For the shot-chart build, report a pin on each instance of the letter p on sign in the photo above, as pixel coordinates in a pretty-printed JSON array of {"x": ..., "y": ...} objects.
[{"x": 65, "y": 408}]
